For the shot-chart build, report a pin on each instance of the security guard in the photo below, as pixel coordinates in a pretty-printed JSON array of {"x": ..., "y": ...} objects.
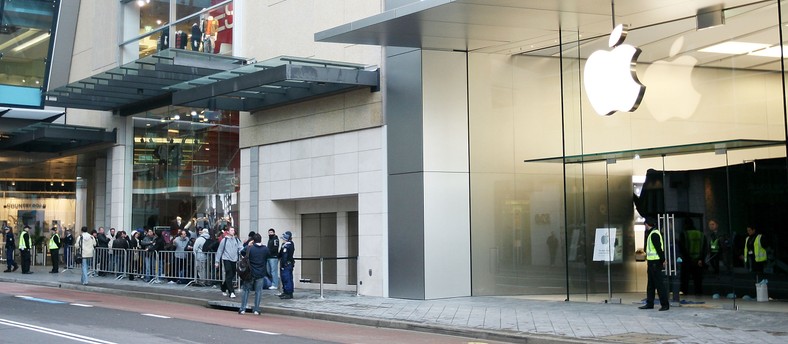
[
  {"x": 10, "y": 245},
  {"x": 693, "y": 252},
  {"x": 54, "y": 250},
  {"x": 24, "y": 249},
  {"x": 754, "y": 251},
  {"x": 655, "y": 258}
]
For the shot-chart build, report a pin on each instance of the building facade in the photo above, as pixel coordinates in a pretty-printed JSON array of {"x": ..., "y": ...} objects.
[{"x": 440, "y": 148}]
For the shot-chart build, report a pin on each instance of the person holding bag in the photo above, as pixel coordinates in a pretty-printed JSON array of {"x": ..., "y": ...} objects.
[
  {"x": 228, "y": 251},
  {"x": 86, "y": 246},
  {"x": 258, "y": 278}
]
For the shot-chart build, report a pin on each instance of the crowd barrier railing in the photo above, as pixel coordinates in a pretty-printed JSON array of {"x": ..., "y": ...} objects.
[{"x": 183, "y": 267}]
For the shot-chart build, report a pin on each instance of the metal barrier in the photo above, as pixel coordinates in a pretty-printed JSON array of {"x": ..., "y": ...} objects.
[
  {"x": 183, "y": 267},
  {"x": 322, "y": 260}
]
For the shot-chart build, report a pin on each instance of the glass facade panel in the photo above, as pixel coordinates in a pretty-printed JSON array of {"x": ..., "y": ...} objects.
[
  {"x": 202, "y": 25},
  {"x": 186, "y": 163},
  {"x": 25, "y": 30},
  {"x": 698, "y": 90}
]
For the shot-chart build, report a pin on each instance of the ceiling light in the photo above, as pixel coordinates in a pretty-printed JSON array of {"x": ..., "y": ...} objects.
[
  {"x": 734, "y": 48},
  {"x": 13, "y": 183},
  {"x": 771, "y": 52},
  {"x": 62, "y": 184},
  {"x": 176, "y": 117},
  {"x": 173, "y": 131},
  {"x": 51, "y": 184},
  {"x": 31, "y": 42}
]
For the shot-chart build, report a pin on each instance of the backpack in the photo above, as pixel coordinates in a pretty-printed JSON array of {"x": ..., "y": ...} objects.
[
  {"x": 210, "y": 245},
  {"x": 244, "y": 267}
]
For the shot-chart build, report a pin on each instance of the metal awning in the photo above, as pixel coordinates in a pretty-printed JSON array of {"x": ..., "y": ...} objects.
[
  {"x": 506, "y": 26},
  {"x": 142, "y": 84},
  {"x": 216, "y": 82},
  {"x": 57, "y": 138},
  {"x": 274, "y": 82},
  {"x": 642, "y": 153}
]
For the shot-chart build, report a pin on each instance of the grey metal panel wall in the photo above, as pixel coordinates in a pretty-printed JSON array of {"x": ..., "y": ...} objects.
[
  {"x": 406, "y": 236},
  {"x": 404, "y": 113},
  {"x": 63, "y": 47},
  {"x": 391, "y": 4},
  {"x": 254, "y": 189}
]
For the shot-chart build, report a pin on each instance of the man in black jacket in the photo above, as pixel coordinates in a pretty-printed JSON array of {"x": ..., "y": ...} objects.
[
  {"x": 68, "y": 246},
  {"x": 273, "y": 259},
  {"x": 258, "y": 256},
  {"x": 102, "y": 254},
  {"x": 10, "y": 245}
]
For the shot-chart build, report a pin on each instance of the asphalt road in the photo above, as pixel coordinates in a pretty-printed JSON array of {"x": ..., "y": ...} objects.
[{"x": 33, "y": 314}]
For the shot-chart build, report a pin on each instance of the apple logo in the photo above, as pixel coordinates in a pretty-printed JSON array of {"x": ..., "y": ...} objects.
[
  {"x": 671, "y": 93},
  {"x": 610, "y": 78}
]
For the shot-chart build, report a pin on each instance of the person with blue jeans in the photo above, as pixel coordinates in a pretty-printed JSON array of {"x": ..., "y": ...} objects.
[
  {"x": 273, "y": 258},
  {"x": 258, "y": 256},
  {"x": 287, "y": 261},
  {"x": 86, "y": 244}
]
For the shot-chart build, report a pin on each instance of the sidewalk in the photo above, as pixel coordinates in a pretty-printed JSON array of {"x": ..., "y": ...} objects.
[{"x": 508, "y": 319}]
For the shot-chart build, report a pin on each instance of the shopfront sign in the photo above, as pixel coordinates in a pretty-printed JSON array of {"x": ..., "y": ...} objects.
[
  {"x": 25, "y": 206},
  {"x": 610, "y": 78}
]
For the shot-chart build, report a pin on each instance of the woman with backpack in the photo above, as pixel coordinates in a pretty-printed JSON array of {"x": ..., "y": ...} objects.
[{"x": 227, "y": 253}]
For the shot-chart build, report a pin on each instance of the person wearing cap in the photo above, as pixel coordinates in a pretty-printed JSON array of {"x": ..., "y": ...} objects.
[
  {"x": 200, "y": 258},
  {"x": 24, "y": 249},
  {"x": 287, "y": 262},
  {"x": 655, "y": 260},
  {"x": 10, "y": 245},
  {"x": 54, "y": 250}
]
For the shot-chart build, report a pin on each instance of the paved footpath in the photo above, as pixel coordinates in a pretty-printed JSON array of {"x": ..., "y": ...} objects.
[{"x": 507, "y": 319}]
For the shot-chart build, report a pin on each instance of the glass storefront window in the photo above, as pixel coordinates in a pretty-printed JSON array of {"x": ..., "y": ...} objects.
[
  {"x": 25, "y": 30},
  {"x": 202, "y": 25},
  {"x": 717, "y": 89},
  {"x": 186, "y": 163}
]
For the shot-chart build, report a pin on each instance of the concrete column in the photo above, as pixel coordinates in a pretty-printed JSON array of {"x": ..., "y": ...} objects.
[{"x": 80, "y": 218}]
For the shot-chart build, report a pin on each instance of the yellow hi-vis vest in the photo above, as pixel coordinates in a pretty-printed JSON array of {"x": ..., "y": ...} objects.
[
  {"x": 651, "y": 251},
  {"x": 22, "y": 241},
  {"x": 760, "y": 252},
  {"x": 52, "y": 243}
]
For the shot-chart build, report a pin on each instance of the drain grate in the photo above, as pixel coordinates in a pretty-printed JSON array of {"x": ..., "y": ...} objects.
[{"x": 638, "y": 338}]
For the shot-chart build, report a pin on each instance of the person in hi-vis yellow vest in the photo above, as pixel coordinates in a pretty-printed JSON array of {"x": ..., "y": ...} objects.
[
  {"x": 54, "y": 250},
  {"x": 24, "y": 249},
  {"x": 655, "y": 260},
  {"x": 754, "y": 253}
]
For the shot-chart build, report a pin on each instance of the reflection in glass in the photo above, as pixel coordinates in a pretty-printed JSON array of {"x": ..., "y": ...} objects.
[{"x": 186, "y": 163}]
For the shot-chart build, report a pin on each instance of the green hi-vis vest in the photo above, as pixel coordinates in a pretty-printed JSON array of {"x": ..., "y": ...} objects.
[
  {"x": 714, "y": 246},
  {"x": 694, "y": 243},
  {"x": 52, "y": 243},
  {"x": 760, "y": 252},
  {"x": 651, "y": 252},
  {"x": 22, "y": 241}
]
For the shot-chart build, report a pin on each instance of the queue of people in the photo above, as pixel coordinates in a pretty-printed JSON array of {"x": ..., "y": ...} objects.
[{"x": 701, "y": 254}]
